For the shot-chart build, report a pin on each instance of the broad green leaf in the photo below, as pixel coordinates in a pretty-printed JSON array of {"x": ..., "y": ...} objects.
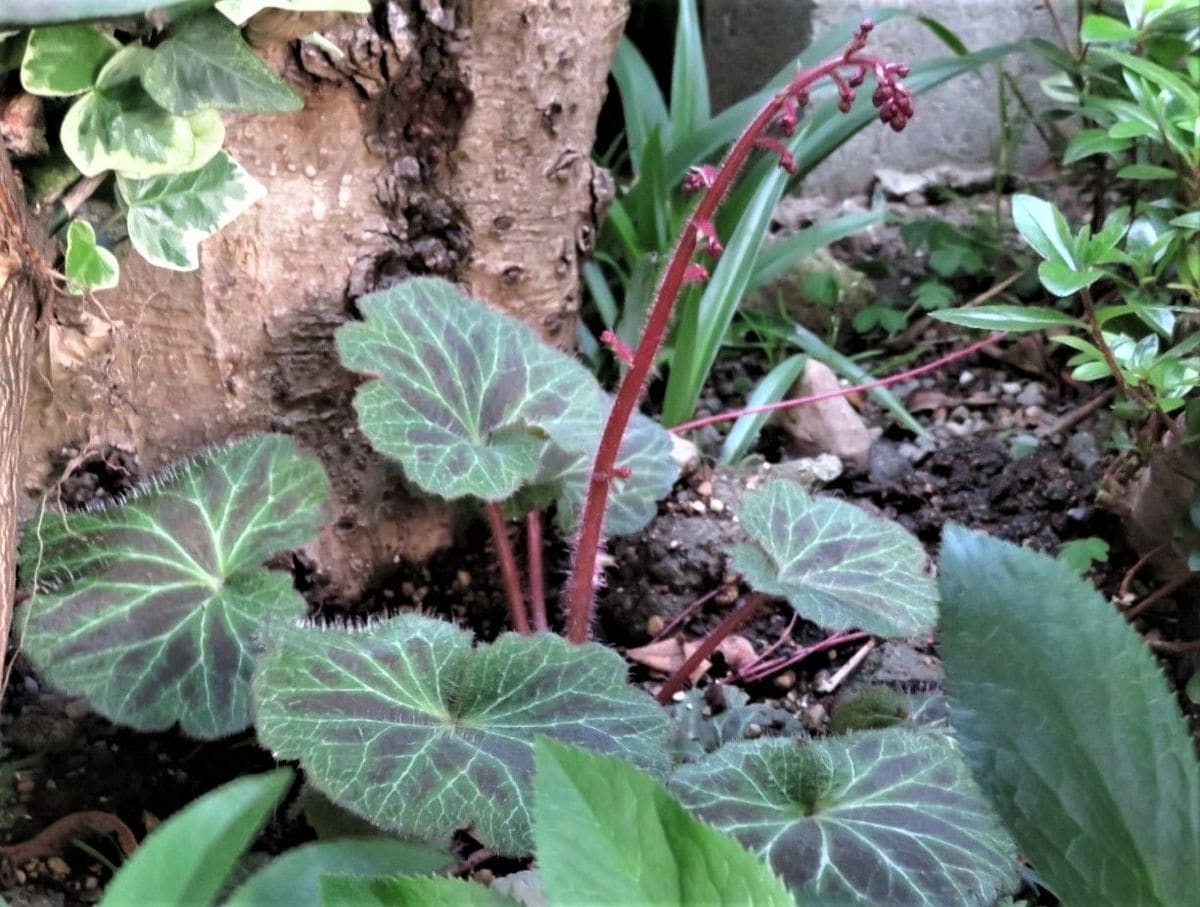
[
  {"x": 411, "y": 891},
  {"x": 294, "y": 877},
  {"x": 155, "y": 608},
  {"x": 409, "y": 726},
  {"x": 1044, "y": 228},
  {"x": 1087, "y": 142},
  {"x": 169, "y": 216},
  {"x": 465, "y": 398},
  {"x": 118, "y": 126},
  {"x": 1097, "y": 28},
  {"x": 563, "y": 477},
  {"x": 1068, "y": 726},
  {"x": 1013, "y": 318},
  {"x": 238, "y": 11},
  {"x": 87, "y": 265},
  {"x": 1063, "y": 280},
  {"x": 875, "y": 817},
  {"x": 187, "y": 859},
  {"x": 65, "y": 60},
  {"x": 773, "y": 387},
  {"x": 835, "y": 564},
  {"x": 609, "y": 834},
  {"x": 206, "y": 64}
]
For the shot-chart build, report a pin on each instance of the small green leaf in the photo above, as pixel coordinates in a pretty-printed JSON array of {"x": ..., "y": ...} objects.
[
  {"x": 875, "y": 817},
  {"x": 608, "y": 834},
  {"x": 238, "y": 11},
  {"x": 1069, "y": 726},
  {"x": 1080, "y": 554},
  {"x": 154, "y": 609},
  {"x": 169, "y": 216},
  {"x": 1087, "y": 142},
  {"x": 835, "y": 564},
  {"x": 1146, "y": 172},
  {"x": 408, "y": 725},
  {"x": 87, "y": 265},
  {"x": 411, "y": 891},
  {"x": 294, "y": 878},
  {"x": 465, "y": 398},
  {"x": 1063, "y": 280},
  {"x": 1044, "y": 228},
  {"x": 1097, "y": 28},
  {"x": 117, "y": 126},
  {"x": 772, "y": 388},
  {"x": 65, "y": 60},
  {"x": 187, "y": 859},
  {"x": 1014, "y": 318},
  {"x": 206, "y": 64}
]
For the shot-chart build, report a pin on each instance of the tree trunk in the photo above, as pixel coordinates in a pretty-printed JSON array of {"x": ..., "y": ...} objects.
[
  {"x": 451, "y": 139},
  {"x": 22, "y": 291}
]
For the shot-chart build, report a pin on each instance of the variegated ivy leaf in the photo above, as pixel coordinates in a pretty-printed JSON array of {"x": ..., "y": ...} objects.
[
  {"x": 154, "y": 608},
  {"x": 169, "y": 216},
  {"x": 835, "y": 564},
  {"x": 632, "y": 501},
  {"x": 876, "y": 817},
  {"x": 409, "y": 726},
  {"x": 207, "y": 64},
  {"x": 65, "y": 60},
  {"x": 238, "y": 11},
  {"x": 118, "y": 126},
  {"x": 465, "y": 398},
  {"x": 87, "y": 265}
]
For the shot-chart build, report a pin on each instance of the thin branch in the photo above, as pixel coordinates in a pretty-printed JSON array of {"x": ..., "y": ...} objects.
[
  {"x": 720, "y": 633},
  {"x": 763, "y": 671},
  {"x": 508, "y": 567}
]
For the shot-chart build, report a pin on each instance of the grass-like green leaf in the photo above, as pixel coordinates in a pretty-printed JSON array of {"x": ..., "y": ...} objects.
[
  {"x": 408, "y": 725},
  {"x": 206, "y": 64},
  {"x": 465, "y": 398},
  {"x": 294, "y": 878},
  {"x": 838, "y": 566},
  {"x": 65, "y": 60},
  {"x": 169, "y": 216},
  {"x": 118, "y": 126},
  {"x": 690, "y": 107},
  {"x": 409, "y": 891},
  {"x": 1069, "y": 726},
  {"x": 609, "y": 834},
  {"x": 87, "y": 265},
  {"x": 877, "y": 817},
  {"x": 773, "y": 387},
  {"x": 187, "y": 859},
  {"x": 154, "y": 608}
]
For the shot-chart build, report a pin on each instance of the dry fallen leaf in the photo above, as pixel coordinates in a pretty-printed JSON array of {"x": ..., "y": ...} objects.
[{"x": 668, "y": 655}]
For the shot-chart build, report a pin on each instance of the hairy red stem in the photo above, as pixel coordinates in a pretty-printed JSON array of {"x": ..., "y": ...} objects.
[
  {"x": 841, "y": 391},
  {"x": 537, "y": 579},
  {"x": 720, "y": 633},
  {"x": 508, "y": 568},
  {"x": 895, "y": 103}
]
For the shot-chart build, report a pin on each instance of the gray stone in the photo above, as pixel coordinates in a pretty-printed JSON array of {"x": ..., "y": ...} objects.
[{"x": 827, "y": 426}]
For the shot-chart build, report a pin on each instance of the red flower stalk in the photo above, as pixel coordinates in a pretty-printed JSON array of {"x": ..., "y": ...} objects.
[{"x": 849, "y": 69}]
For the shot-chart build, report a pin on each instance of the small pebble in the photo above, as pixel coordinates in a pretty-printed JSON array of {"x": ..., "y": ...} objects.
[
  {"x": 753, "y": 731},
  {"x": 91, "y": 883},
  {"x": 1011, "y": 387},
  {"x": 655, "y": 625},
  {"x": 1031, "y": 395},
  {"x": 786, "y": 680},
  {"x": 463, "y": 578},
  {"x": 58, "y": 866},
  {"x": 484, "y": 876},
  {"x": 966, "y": 378},
  {"x": 716, "y": 506},
  {"x": 26, "y": 785},
  {"x": 705, "y": 489},
  {"x": 19, "y": 876},
  {"x": 31, "y": 685},
  {"x": 816, "y": 715},
  {"x": 76, "y": 709}
]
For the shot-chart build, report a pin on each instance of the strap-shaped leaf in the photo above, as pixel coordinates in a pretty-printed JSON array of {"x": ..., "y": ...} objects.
[
  {"x": 633, "y": 500},
  {"x": 65, "y": 60},
  {"x": 154, "y": 608},
  {"x": 169, "y": 216},
  {"x": 1069, "y": 726},
  {"x": 463, "y": 397},
  {"x": 409, "y": 726},
  {"x": 207, "y": 64},
  {"x": 877, "y": 817},
  {"x": 117, "y": 126},
  {"x": 838, "y": 566}
]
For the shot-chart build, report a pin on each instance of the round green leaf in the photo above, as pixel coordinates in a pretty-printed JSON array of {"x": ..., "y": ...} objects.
[
  {"x": 117, "y": 126},
  {"x": 835, "y": 564},
  {"x": 169, "y": 216},
  {"x": 409, "y": 726},
  {"x": 876, "y": 817},
  {"x": 207, "y": 65},
  {"x": 465, "y": 398},
  {"x": 88, "y": 266},
  {"x": 154, "y": 609},
  {"x": 65, "y": 60}
]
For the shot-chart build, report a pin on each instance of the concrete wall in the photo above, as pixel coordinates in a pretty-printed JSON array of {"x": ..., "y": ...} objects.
[{"x": 747, "y": 41}]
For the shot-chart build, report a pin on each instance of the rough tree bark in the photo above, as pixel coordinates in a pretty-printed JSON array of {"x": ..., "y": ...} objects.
[
  {"x": 23, "y": 287},
  {"x": 452, "y": 139}
]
